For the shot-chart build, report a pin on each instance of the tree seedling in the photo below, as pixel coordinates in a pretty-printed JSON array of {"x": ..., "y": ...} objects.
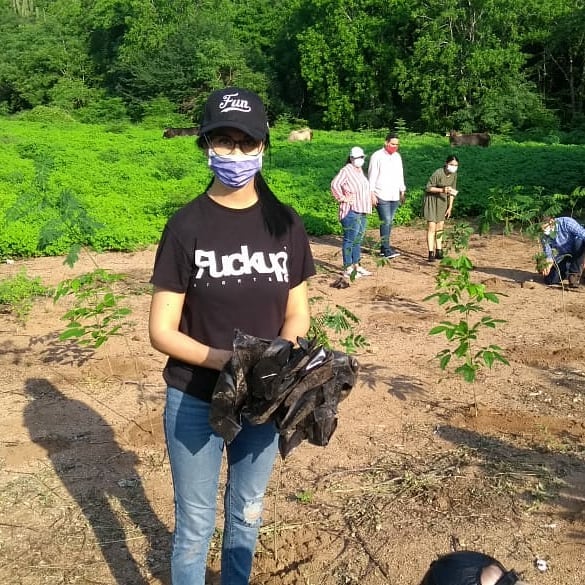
[
  {"x": 458, "y": 294},
  {"x": 336, "y": 321},
  {"x": 97, "y": 314}
]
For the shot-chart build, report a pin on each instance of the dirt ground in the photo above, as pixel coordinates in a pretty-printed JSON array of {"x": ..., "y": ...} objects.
[{"x": 413, "y": 471}]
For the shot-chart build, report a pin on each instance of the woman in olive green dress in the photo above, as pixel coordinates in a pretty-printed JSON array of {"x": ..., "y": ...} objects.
[{"x": 441, "y": 190}]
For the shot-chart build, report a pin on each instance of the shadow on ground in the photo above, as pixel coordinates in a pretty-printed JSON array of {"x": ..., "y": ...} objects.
[
  {"x": 97, "y": 473},
  {"x": 563, "y": 473}
]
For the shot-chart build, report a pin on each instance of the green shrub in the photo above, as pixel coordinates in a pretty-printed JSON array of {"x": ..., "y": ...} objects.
[
  {"x": 102, "y": 111},
  {"x": 160, "y": 113},
  {"x": 47, "y": 115},
  {"x": 18, "y": 292},
  {"x": 71, "y": 94}
]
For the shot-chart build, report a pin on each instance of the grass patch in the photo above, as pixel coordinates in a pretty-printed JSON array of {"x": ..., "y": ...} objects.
[
  {"x": 129, "y": 182},
  {"x": 17, "y": 294}
]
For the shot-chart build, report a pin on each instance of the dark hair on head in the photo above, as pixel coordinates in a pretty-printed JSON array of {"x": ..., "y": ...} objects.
[
  {"x": 277, "y": 216},
  {"x": 391, "y": 135},
  {"x": 546, "y": 218},
  {"x": 451, "y": 158},
  {"x": 465, "y": 568}
]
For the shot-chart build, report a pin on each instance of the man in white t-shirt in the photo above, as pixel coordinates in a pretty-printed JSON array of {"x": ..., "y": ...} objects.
[{"x": 386, "y": 176}]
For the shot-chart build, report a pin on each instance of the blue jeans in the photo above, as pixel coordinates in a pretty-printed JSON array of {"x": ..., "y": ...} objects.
[
  {"x": 195, "y": 454},
  {"x": 354, "y": 228},
  {"x": 386, "y": 211}
]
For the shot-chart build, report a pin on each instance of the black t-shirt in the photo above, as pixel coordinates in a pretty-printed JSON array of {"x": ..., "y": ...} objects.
[{"x": 234, "y": 274}]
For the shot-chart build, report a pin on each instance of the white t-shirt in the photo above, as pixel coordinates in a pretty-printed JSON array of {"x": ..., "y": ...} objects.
[{"x": 386, "y": 175}]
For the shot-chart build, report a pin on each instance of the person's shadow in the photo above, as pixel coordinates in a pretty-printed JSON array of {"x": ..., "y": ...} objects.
[{"x": 96, "y": 470}]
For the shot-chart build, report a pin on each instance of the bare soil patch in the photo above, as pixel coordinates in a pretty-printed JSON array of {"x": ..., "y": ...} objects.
[{"x": 411, "y": 472}]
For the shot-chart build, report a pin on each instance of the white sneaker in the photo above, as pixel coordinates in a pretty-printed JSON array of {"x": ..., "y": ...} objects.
[
  {"x": 361, "y": 270},
  {"x": 352, "y": 273}
]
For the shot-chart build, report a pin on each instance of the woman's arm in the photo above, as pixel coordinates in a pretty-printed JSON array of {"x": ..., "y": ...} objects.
[
  {"x": 449, "y": 205},
  {"x": 339, "y": 187},
  {"x": 163, "y": 328},
  {"x": 434, "y": 183},
  {"x": 297, "y": 319}
]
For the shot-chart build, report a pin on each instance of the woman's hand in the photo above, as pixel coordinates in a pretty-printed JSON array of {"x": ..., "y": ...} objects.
[
  {"x": 546, "y": 270},
  {"x": 448, "y": 213},
  {"x": 163, "y": 328}
]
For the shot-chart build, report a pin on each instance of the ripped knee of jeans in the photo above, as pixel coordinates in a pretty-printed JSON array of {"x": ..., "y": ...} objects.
[{"x": 253, "y": 512}]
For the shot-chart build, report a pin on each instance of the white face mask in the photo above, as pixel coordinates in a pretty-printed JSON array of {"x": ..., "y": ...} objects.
[
  {"x": 547, "y": 230},
  {"x": 358, "y": 162},
  {"x": 452, "y": 168}
]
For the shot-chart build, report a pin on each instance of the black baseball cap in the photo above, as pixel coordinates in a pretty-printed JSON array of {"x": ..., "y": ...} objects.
[
  {"x": 465, "y": 568},
  {"x": 235, "y": 107}
]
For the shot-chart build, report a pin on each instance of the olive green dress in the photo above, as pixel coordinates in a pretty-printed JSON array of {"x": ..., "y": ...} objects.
[{"x": 435, "y": 204}]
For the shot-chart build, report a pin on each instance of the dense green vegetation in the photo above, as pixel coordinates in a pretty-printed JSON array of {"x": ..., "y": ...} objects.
[
  {"x": 113, "y": 187},
  {"x": 497, "y": 65}
]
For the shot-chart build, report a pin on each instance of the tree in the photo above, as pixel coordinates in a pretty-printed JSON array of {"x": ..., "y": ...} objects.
[
  {"x": 38, "y": 51},
  {"x": 564, "y": 51},
  {"x": 347, "y": 60},
  {"x": 465, "y": 59}
]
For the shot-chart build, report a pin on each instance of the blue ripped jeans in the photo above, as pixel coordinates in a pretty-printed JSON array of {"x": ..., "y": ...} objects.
[
  {"x": 195, "y": 454},
  {"x": 354, "y": 229}
]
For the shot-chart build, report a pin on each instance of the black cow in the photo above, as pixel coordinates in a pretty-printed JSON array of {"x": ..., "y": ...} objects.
[
  {"x": 475, "y": 139},
  {"x": 173, "y": 132}
]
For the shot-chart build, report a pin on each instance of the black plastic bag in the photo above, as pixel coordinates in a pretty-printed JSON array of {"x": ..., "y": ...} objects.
[{"x": 299, "y": 388}]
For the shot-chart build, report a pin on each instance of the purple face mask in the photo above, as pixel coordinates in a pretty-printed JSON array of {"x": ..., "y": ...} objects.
[{"x": 235, "y": 171}]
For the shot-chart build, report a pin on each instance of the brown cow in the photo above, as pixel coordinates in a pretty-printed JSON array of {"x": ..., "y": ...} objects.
[
  {"x": 172, "y": 132},
  {"x": 304, "y": 134},
  {"x": 475, "y": 139}
]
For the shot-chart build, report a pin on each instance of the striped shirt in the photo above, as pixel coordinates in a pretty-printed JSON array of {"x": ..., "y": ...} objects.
[{"x": 351, "y": 188}]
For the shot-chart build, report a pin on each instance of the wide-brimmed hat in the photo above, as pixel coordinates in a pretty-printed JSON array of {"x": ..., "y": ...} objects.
[{"x": 235, "y": 107}]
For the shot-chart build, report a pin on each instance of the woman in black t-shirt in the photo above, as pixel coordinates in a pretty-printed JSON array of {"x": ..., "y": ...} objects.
[{"x": 233, "y": 258}]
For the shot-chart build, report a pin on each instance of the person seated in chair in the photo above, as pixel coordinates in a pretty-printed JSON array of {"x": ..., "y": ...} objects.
[{"x": 563, "y": 244}]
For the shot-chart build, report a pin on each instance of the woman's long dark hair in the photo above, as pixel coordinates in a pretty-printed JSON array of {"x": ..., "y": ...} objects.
[{"x": 277, "y": 216}]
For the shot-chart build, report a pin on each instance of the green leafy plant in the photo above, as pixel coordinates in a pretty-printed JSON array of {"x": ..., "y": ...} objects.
[
  {"x": 336, "y": 321},
  {"x": 304, "y": 496},
  {"x": 96, "y": 315},
  {"x": 458, "y": 294},
  {"x": 540, "y": 261},
  {"x": 574, "y": 203},
  {"x": 18, "y": 292},
  {"x": 456, "y": 236},
  {"x": 517, "y": 208}
]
